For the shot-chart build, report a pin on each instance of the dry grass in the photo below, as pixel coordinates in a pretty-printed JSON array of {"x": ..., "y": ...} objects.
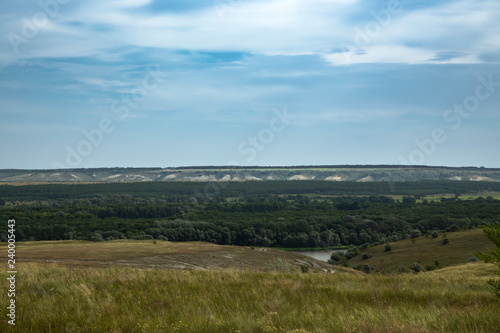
[
  {"x": 53, "y": 298},
  {"x": 71, "y": 297},
  {"x": 146, "y": 253},
  {"x": 112, "y": 250}
]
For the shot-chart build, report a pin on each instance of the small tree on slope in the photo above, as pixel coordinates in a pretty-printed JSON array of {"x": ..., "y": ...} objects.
[{"x": 493, "y": 234}]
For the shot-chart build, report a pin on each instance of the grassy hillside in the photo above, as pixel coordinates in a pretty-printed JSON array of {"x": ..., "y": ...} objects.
[
  {"x": 426, "y": 250},
  {"x": 54, "y": 298},
  {"x": 161, "y": 254}
]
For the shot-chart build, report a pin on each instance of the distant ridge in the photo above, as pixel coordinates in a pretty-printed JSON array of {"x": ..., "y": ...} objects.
[
  {"x": 230, "y": 167},
  {"x": 341, "y": 166},
  {"x": 352, "y": 173}
]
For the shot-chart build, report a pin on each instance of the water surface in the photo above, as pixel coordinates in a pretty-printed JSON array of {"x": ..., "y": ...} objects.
[{"x": 322, "y": 255}]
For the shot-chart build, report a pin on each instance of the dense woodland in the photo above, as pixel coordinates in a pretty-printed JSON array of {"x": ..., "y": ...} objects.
[{"x": 274, "y": 213}]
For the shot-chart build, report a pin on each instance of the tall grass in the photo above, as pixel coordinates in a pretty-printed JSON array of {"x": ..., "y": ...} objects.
[{"x": 53, "y": 298}]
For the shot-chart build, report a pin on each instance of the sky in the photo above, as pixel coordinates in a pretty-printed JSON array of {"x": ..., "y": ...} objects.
[{"x": 167, "y": 83}]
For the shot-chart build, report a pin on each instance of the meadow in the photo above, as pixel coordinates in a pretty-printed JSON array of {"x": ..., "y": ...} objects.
[
  {"x": 162, "y": 254},
  {"x": 56, "y": 298}
]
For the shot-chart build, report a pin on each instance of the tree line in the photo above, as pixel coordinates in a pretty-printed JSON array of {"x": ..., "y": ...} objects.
[{"x": 286, "y": 220}]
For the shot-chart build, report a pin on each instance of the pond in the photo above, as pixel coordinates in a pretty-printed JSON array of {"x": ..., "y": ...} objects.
[{"x": 322, "y": 255}]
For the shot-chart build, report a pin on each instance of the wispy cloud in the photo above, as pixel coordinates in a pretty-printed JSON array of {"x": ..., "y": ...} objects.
[{"x": 351, "y": 72}]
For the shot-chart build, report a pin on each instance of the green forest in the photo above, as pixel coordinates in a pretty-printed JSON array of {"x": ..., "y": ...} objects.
[{"x": 291, "y": 214}]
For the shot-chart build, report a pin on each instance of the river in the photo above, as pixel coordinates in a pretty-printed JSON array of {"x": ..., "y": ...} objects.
[{"x": 322, "y": 255}]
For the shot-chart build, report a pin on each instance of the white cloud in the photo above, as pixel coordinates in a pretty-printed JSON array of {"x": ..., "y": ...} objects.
[
  {"x": 465, "y": 27},
  {"x": 279, "y": 27},
  {"x": 272, "y": 27},
  {"x": 393, "y": 54}
]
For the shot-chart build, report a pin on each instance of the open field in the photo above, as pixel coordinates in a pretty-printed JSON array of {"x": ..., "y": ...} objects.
[
  {"x": 161, "y": 254},
  {"x": 426, "y": 250},
  {"x": 485, "y": 194},
  {"x": 55, "y": 298}
]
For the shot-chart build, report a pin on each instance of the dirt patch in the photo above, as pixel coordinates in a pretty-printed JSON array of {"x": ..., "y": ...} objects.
[{"x": 182, "y": 255}]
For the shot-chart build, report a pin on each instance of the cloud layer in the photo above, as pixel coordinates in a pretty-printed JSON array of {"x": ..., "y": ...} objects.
[{"x": 364, "y": 79}]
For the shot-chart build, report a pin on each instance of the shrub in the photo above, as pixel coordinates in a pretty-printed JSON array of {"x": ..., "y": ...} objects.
[
  {"x": 409, "y": 200},
  {"x": 365, "y": 246},
  {"x": 434, "y": 234},
  {"x": 112, "y": 234},
  {"x": 96, "y": 237},
  {"x": 415, "y": 233},
  {"x": 446, "y": 241},
  {"x": 366, "y": 255},
  {"x": 304, "y": 268},
  {"x": 350, "y": 254},
  {"x": 341, "y": 260},
  {"x": 336, "y": 257},
  {"x": 417, "y": 267},
  {"x": 280, "y": 265},
  {"x": 472, "y": 259},
  {"x": 388, "y": 247},
  {"x": 142, "y": 236},
  {"x": 401, "y": 269},
  {"x": 366, "y": 268}
]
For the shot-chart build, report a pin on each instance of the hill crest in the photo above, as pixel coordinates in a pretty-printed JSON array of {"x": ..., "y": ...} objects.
[{"x": 353, "y": 173}]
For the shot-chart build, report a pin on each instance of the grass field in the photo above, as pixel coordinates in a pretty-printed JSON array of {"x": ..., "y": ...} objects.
[
  {"x": 426, "y": 250},
  {"x": 161, "y": 254},
  {"x": 55, "y": 298},
  {"x": 438, "y": 197},
  {"x": 131, "y": 286}
]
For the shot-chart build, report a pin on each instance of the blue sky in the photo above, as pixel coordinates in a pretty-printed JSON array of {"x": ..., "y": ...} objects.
[{"x": 236, "y": 82}]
